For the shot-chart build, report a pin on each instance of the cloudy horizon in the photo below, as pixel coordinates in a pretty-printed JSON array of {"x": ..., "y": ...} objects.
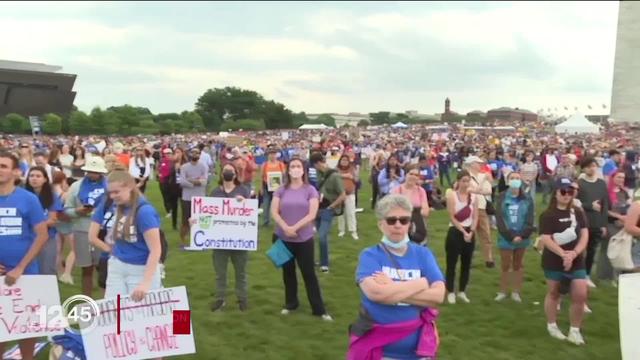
[{"x": 328, "y": 57}]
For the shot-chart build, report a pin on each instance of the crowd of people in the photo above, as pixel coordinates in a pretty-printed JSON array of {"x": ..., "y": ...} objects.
[{"x": 87, "y": 194}]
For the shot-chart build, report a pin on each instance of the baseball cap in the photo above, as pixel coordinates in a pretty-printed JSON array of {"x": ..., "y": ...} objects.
[
  {"x": 564, "y": 183},
  {"x": 473, "y": 159}
]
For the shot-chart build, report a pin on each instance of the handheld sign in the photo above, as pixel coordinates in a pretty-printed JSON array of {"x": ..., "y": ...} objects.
[
  {"x": 629, "y": 312},
  {"x": 139, "y": 330},
  {"x": 30, "y": 308},
  {"x": 224, "y": 223}
]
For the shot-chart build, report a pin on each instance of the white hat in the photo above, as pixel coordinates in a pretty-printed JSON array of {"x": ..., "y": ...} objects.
[
  {"x": 473, "y": 159},
  {"x": 96, "y": 165}
]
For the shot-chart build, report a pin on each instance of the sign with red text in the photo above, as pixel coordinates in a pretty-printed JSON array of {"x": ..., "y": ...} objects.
[
  {"x": 30, "y": 308},
  {"x": 224, "y": 223},
  {"x": 139, "y": 330}
]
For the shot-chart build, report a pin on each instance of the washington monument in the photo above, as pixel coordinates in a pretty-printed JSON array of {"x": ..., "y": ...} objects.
[{"x": 625, "y": 97}]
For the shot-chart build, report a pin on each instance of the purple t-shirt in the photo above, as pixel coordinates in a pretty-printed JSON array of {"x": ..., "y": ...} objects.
[{"x": 294, "y": 205}]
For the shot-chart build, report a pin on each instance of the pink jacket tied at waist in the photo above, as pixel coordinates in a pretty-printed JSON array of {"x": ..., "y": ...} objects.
[{"x": 370, "y": 346}]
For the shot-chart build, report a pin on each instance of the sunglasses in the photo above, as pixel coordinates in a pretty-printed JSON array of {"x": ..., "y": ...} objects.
[
  {"x": 404, "y": 220},
  {"x": 565, "y": 192},
  {"x": 414, "y": 173}
]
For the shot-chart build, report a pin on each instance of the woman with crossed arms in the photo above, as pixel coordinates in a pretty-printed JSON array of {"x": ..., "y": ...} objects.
[{"x": 400, "y": 284}]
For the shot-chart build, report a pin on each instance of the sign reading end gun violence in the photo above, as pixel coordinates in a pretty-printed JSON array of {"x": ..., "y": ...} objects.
[
  {"x": 145, "y": 327},
  {"x": 30, "y": 308},
  {"x": 224, "y": 223}
]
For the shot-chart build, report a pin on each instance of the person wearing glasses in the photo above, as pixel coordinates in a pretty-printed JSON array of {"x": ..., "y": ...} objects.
[
  {"x": 462, "y": 207},
  {"x": 564, "y": 234},
  {"x": 401, "y": 284},
  {"x": 193, "y": 180}
]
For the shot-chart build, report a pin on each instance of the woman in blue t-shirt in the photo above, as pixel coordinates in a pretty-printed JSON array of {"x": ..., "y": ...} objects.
[
  {"x": 38, "y": 183},
  {"x": 133, "y": 266},
  {"x": 400, "y": 283}
]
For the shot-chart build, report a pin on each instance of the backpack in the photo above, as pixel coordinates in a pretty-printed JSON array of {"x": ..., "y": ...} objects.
[{"x": 164, "y": 245}]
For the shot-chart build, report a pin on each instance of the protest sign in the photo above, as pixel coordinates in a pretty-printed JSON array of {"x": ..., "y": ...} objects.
[
  {"x": 30, "y": 308},
  {"x": 233, "y": 140},
  {"x": 274, "y": 180},
  {"x": 224, "y": 223},
  {"x": 145, "y": 327},
  {"x": 629, "y": 312},
  {"x": 284, "y": 135}
]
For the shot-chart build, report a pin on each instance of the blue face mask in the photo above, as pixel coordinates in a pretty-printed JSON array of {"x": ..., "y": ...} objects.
[
  {"x": 515, "y": 183},
  {"x": 395, "y": 245}
]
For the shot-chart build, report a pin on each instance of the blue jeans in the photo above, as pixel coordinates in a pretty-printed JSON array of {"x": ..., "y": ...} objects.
[
  {"x": 323, "y": 226},
  {"x": 266, "y": 205}
]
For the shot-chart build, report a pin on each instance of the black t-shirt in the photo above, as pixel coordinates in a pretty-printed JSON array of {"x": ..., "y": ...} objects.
[
  {"x": 238, "y": 190},
  {"x": 556, "y": 221}
]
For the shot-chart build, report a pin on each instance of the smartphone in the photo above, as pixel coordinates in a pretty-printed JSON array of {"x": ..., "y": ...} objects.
[{"x": 89, "y": 206}]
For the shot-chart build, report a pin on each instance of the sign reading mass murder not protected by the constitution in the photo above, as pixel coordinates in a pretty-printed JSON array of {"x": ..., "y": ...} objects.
[
  {"x": 138, "y": 330},
  {"x": 224, "y": 223},
  {"x": 30, "y": 308}
]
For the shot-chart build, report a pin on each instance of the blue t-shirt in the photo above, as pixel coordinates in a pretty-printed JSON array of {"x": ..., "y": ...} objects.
[
  {"x": 24, "y": 167},
  {"x": 133, "y": 250},
  {"x": 56, "y": 206},
  {"x": 105, "y": 218},
  {"x": 427, "y": 173},
  {"x": 20, "y": 212},
  {"x": 417, "y": 262},
  {"x": 609, "y": 167}
]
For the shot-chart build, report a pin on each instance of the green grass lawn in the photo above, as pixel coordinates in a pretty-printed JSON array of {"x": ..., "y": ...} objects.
[{"x": 483, "y": 329}]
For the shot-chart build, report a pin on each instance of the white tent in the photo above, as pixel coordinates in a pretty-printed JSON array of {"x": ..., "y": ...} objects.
[
  {"x": 314, "y": 127},
  {"x": 399, "y": 125},
  {"x": 577, "y": 123}
]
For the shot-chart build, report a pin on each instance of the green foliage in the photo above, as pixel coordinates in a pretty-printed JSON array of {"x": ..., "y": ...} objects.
[
  {"x": 79, "y": 123},
  {"x": 326, "y": 119},
  {"x": 244, "y": 124},
  {"x": 380, "y": 118},
  {"x": 15, "y": 124},
  {"x": 363, "y": 123},
  {"x": 52, "y": 124}
]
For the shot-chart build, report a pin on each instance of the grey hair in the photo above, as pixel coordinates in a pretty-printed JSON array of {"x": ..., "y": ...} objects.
[{"x": 390, "y": 202}]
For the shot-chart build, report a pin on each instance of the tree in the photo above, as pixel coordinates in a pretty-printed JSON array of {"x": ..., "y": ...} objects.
[
  {"x": 363, "y": 123},
  {"x": 192, "y": 121},
  {"x": 229, "y": 103},
  {"x": 244, "y": 124},
  {"x": 80, "y": 123},
  {"x": 275, "y": 115},
  {"x": 380, "y": 118},
  {"x": 16, "y": 124},
  {"x": 326, "y": 119},
  {"x": 52, "y": 124}
]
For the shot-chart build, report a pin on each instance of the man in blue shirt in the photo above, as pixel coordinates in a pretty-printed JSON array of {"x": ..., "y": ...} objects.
[
  {"x": 612, "y": 163},
  {"x": 22, "y": 235}
]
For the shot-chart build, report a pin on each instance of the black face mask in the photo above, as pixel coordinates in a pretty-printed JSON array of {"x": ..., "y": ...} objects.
[
  {"x": 228, "y": 175},
  {"x": 195, "y": 158}
]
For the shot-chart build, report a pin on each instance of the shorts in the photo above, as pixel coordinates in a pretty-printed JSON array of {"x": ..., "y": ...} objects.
[
  {"x": 64, "y": 228},
  {"x": 561, "y": 275},
  {"x": 186, "y": 212},
  {"x": 123, "y": 278},
  {"x": 86, "y": 254},
  {"x": 507, "y": 245}
]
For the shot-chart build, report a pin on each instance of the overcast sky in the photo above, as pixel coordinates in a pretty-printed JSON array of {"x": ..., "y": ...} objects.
[{"x": 324, "y": 57}]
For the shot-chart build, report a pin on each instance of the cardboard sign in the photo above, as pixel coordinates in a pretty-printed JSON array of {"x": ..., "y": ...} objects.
[
  {"x": 224, "y": 223},
  {"x": 233, "y": 140},
  {"x": 274, "y": 180},
  {"x": 629, "y": 312},
  {"x": 285, "y": 135},
  {"x": 146, "y": 327},
  {"x": 30, "y": 308}
]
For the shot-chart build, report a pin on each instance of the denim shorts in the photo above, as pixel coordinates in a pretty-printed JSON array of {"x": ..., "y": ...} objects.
[
  {"x": 123, "y": 278},
  {"x": 561, "y": 275}
]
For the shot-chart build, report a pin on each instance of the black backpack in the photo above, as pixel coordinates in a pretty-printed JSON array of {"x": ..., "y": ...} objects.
[{"x": 164, "y": 245}]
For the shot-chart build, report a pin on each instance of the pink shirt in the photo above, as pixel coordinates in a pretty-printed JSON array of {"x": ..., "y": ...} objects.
[{"x": 417, "y": 196}]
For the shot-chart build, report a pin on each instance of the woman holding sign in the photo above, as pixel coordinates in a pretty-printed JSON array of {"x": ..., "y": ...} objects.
[
  {"x": 230, "y": 187},
  {"x": 294, "y": 208},
  {"x": 133, "y": 266}
]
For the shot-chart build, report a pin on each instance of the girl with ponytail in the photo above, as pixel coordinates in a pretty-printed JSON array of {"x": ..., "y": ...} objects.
[{"x": 135, "y": 254}]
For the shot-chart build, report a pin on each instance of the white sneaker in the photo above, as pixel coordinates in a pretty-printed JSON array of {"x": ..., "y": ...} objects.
[
  {"x": 260, "y": 211},
  {"x": 501, "y": 296},
  {"x": 324, "y": 269},
  {"x": 162, "y": 272},
  {"x": 354, "y": 235},
  {"x": 341, "y": 234},
  {"x": 587, "y": 309},
  {"x": 168, "y": 216},
  {"x": 516, "y": 297},
  {"x": 462, "y": 296},
  {"x": 555, "y": 332},
  {"x": 285, "y": 312},
  {"x": 575, "y": 337},
  {"x": 66, "y": 279},
  {"x": 451, "y": 298},
  {"x": 327, "y": 317},
  {"x": 590, "y": 283},
  {"x": 359, "y": 210}
]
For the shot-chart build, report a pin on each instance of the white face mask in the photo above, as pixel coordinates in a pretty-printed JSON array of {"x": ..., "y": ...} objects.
[{"x": 296, "y": 173}]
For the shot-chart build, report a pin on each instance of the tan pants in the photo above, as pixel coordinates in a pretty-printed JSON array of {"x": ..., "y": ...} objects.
[{"x": 483, "y": 232}]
